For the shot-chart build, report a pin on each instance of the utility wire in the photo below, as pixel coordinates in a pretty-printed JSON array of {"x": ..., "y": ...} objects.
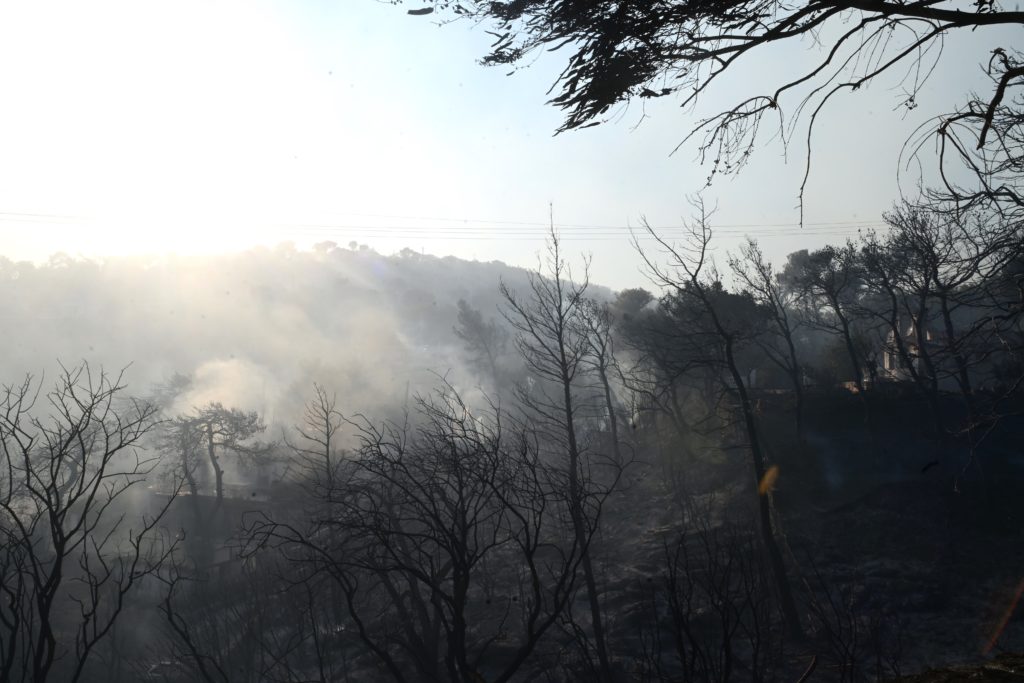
[
  {"x": 476, "y": 229},
  {"x": 469, "y": 223}
]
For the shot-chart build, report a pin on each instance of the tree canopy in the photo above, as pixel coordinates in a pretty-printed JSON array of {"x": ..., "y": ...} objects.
[{"x": 619, "y": 52}]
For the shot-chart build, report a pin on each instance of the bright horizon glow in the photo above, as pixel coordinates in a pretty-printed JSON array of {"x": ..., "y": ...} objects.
[{"x": 204, "y": 127}]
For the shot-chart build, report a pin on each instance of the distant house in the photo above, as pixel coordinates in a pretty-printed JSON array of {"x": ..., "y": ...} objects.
[
  {"x": 985, "y": 355},
  {"x": 896, "y": 366}
]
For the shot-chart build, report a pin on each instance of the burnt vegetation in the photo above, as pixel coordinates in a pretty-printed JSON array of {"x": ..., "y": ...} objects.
[
  {"x": 802, "y": 471},
  {"x": 751, "y": 471}
]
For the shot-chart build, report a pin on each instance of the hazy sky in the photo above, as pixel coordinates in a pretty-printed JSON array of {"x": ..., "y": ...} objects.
[{"x": 207, "y": 126}]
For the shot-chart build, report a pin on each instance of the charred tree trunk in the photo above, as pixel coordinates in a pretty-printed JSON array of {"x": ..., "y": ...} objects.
[
  {"x": 613, "y": 421},
  {"x": 578, "y": 522},
  {"x": 796, "y": 378},
  {"x": 778, "y": 566},
  {"x": 218, "y": 472}
]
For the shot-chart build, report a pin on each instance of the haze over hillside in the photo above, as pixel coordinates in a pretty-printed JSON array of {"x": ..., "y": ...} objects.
[
  {"x": 324, "y": 391},
  {"x": 254, "y": 329}
]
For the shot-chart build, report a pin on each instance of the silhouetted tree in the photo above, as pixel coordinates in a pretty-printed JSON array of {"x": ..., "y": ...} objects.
[
  {"x": 443, "y": 537},
  {"x": 887, "y": 299},
  {"x": 829, "y": 281},
  {"x": 195, "y": 445},
  {"x": 552, "y": 338},
  {"x": 957, "y": 256},
  {"x": 71, "y": 551},
  {"x": 661, "y": 362},
  {"x": 722, "y": 324},
  {"x": 629, "y": 303},
  {"x": 712, "y": 609},
  {"x": 257, "y": 624},
  {"x": 318, "y": 450},
  {"x": 758, "y": 276},
  {"x": 214, "y": 431},
  {"x": 484, "y": 341},
  {"x": 597, "y": 319},
  {"x": 949, "y": 262}
]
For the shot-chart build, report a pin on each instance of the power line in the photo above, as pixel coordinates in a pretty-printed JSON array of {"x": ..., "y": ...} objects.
[
  {"x": 440, "y": 235},
  {"x": 523, "y": 231},
  {"x": 618, "y": 231},
  {"x": 545, "y": 225},
  {"x": 470, "y": 224}
]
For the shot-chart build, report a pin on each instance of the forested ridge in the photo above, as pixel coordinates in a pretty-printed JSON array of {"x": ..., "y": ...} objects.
[{"x": 335, "y": 465}]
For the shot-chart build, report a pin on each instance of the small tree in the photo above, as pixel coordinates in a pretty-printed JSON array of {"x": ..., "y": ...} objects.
[
  {"x": 721, "y": 325},
  {"x": 69, "y": 556},
  {"x": 956, "y": 256},
  {"x": 553, "y": 339},
  {"x": 598, "y": 323},
  {"x": 712, "y": 610},
  {"x": 484, "y": 341},
  {"x": 660, "y": 361},
  {"x": 443, "y": 539},
  {"x": 317, "y": 450},
  {"x": 828, "y": 281},
  {"x": 758, "y": 276},
  {"x": 214, "y": 431},
  {"x": 263, "y": 623}
]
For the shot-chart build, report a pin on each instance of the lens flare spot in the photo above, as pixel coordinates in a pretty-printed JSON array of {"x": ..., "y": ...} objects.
[
  {"x": 1001, "y": 625},
  {"x": 767, "y": 483}
]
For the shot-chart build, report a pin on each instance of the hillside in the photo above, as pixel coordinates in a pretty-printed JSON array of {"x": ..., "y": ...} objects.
[{"x": 254, "y": 329}]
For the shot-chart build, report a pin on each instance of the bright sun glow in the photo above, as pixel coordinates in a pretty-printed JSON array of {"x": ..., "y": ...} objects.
[
  {"x": 142, "y": 129},
  {"x": 216, "y": 125}
]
